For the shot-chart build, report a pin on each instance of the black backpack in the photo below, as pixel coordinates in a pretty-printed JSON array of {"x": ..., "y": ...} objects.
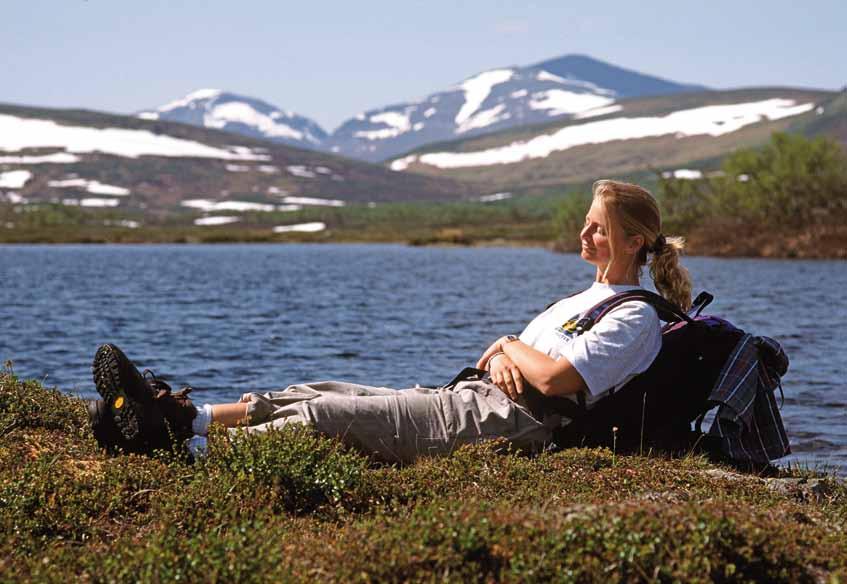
[{"x": 656, "y": 409}]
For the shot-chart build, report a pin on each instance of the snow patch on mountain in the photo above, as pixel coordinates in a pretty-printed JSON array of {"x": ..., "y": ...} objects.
[
  {"x": 313, "y": 201},
  {"x": 236, "y": 112},
  {"x": 683, "y": 174},
  {"x": 557, "y": 102},
  {"x": 92, "y": 186},
  {"x": 300, "y": 171},
  {"x": 547, "y": 76},
  {"x": 312, "y": 227},
  {"x": 91, "y": 202},
  {"x": 713, "y": 120},
  {"x": 600, "y": 111},
  {"x": 216, "y": 220},
  {"x": 208, "y": 206},
  {"x": 191, "y": 99},
  {"x": 397, "y": 122},
  {"x": 21, "y": 133},
  {"x": 477, "y": 89},
  {"x": 484, "y": 118},
  {"x": 14, "y": 179},
  {"x": 57, "y": 158}
]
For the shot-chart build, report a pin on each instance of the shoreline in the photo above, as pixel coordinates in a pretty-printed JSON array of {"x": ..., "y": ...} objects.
[{"x": 724, "y": 251}]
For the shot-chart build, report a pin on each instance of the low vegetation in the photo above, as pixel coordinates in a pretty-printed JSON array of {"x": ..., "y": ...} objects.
[
  {"x": 521, "y": 220},
  {"x": 292, "y": 506}
]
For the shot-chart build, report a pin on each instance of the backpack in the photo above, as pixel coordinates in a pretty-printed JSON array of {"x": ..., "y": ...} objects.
[{"x": 655, "y": 409}]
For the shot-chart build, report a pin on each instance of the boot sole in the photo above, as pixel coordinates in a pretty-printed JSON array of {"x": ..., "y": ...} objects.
[{"x": 112, "y": 378}]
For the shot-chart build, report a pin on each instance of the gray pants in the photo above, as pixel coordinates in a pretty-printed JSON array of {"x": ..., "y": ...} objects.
[{"x": 401, "y": 425}]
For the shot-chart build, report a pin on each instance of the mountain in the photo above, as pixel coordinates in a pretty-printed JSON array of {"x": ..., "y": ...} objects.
[
  {"x": 213, "y": 108},
  {"x": 487, "y": 102},
  {"x": 80, "y": 158},
  {"x": 624, "y": 82},
  {"x": 634, "y": 135},
  {"x": 494, "y": 100}
]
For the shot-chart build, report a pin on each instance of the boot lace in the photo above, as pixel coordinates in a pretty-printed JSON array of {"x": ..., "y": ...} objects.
[{"x": 162, "y": 389}]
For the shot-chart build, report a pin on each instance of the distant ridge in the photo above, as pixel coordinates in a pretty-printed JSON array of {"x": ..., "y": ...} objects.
[
  {"x": 489, "y": 101},
  {"x": 625, "y": 82},
  {"x": 247, "y": 116}
]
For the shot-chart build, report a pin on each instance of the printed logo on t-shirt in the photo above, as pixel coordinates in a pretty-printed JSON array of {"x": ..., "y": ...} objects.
[{"x": 567, "y": 330}]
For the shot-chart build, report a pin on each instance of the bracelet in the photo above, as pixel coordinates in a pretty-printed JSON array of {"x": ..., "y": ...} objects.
[{"x": 491, "y": 358}]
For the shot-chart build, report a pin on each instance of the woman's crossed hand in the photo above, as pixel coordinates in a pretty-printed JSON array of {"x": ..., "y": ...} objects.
[
  {"x": 506, "y": 375},
  {"x": 493, "y": 349}
]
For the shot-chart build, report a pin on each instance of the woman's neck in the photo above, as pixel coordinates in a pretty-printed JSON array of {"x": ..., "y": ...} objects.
[{"x": 614, "y": 278}]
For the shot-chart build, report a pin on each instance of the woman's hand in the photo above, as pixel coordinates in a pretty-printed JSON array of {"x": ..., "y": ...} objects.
[
  {"x": 506, "y": 375},
  {"x": 495, "y": 347}
]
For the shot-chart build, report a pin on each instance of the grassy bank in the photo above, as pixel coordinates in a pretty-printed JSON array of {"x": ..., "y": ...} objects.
[{"x": 290, "y": 506}]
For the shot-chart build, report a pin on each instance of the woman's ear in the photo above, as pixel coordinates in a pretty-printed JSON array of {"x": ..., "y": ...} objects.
[{"x": 634, "y": 244}]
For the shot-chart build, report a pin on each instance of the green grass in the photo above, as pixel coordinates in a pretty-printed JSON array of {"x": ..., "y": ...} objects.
[{"x": 292, "y": 506}]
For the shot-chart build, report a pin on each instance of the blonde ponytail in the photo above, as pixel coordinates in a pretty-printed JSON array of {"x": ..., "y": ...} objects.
[{"x": 671, "y": 279}]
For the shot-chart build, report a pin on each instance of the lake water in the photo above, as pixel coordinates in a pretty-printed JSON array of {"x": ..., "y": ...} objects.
[{"x": 234, "y": 318}]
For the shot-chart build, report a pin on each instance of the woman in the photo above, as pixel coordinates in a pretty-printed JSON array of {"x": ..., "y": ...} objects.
[{"x": 622, "y": 233}]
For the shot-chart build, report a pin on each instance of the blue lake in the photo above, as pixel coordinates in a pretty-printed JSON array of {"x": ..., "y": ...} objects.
[{"x": 234, "y": 318}]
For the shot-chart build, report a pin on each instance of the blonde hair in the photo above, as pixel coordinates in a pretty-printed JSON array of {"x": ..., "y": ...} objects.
[{"x": 634, "y": 211}]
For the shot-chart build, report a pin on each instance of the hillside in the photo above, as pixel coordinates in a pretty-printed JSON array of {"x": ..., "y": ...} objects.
[
  {"x": 631, "y": 136},
  {"x": 81, "y": 158}
]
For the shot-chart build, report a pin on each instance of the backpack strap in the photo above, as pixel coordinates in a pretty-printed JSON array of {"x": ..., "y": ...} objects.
[
  {"x": 666, "y": 310},
  {"x": 702, "y": 301}
]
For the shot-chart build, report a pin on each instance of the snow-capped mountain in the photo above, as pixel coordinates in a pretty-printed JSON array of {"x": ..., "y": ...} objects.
[
  {"x": 572, "y": 86},
  {"x": 567, "y": 87},
  {"x": 213, "y": 108}
]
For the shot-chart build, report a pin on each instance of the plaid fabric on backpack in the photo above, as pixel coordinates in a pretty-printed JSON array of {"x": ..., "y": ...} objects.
[{"x": 704, "y": 362}]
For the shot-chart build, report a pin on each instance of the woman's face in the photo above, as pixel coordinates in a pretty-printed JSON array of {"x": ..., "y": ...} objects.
[{"x": 595, "y": 236}]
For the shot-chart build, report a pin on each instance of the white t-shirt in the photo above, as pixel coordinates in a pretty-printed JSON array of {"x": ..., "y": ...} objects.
[{"x": 617, "y": 348}]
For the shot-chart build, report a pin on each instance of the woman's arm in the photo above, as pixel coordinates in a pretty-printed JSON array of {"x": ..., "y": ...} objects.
[{"x": 550, "y": 377}]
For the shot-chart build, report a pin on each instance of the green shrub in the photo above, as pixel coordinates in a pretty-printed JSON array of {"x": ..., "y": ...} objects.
[
  {"x": 791, "y": 181},
  {"x": 303, "y": 469},
  {"x": 27, "y": 404}
]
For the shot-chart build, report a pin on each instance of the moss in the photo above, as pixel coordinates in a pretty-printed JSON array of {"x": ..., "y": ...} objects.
[{"x": 293, "y": 506}]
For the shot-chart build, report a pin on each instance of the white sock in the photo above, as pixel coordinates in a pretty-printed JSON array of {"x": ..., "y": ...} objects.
[
  {"x": 200, "y": 424},
  {"x": 197, "y": 446}
]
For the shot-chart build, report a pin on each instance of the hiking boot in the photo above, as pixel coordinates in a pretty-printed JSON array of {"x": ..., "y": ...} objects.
[
  {"x": 103, "y": 426},
  {"x": 147, "y": 415},
  {"x": 124, "y": 390},
  {"x": 106, "y": 431},
  {"x": 178, "y": 410}
]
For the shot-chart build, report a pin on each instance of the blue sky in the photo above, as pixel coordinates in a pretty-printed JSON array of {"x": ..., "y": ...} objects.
[{"x": 330, "y": 60}]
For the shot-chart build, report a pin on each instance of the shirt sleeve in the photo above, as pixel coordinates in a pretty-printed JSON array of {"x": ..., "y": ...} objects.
[{"x": 622, "y": 344}]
